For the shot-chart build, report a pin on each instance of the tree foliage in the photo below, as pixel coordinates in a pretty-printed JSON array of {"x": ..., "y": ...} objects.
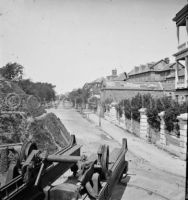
[
  {"x": 80, "y": 95},
  {"x": 131, "y": 107},
  {"x": 153, "y": 106},
  {"x": 136, "y": 104},
  {"x": 12, "y": 71},
  {"x": 106, "y": 104},
  {"x": 127, "y": 108},
  {"x": 45, "y": 91},
  {"x": 11, "y": 124},
  {"x": 76, "y": 96}
]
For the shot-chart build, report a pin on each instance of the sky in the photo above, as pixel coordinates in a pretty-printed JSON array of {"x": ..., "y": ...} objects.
[{"x": 71, "y": 42}]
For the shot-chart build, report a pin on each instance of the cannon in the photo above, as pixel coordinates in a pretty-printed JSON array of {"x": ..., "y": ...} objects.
[{"x": 33, "y": 174}]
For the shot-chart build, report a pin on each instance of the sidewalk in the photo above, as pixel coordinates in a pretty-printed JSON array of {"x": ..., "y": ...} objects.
[{"x": 155, "y": 156}]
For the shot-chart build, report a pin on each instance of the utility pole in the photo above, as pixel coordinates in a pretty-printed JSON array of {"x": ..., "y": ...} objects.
[
  {"x": 131, "y": 118},
  {"x": 100, "y": 112},
  {"x": 99, "y": 119},
  {"x": 100, "y": 107}
]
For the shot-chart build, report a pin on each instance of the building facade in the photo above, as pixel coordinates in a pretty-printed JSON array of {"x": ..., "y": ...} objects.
[
  {"x": 181, "y": 86},
  {"x": 160, "y": 71}
]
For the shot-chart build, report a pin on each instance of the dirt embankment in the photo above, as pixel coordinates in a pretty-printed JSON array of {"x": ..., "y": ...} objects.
[
  {"x": 15, "y": 107},
  {"x": 23, "y": 118},
  {"x": 48, "y": 132}
]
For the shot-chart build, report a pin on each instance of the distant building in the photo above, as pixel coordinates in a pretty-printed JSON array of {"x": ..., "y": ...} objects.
[
  {"x": 181, "y": 86},
  {"x": 121, "y": 77},
  {"x": 119, "y": 90},
  {"x": 94, "y": 87},
  {"x": 113, "y": 75},
  {"x": 152, "y": 72},
  {"x": 157, "y": 78}
]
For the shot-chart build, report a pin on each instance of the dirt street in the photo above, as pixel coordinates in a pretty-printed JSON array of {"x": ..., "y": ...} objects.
[{"x": 145, "y": 180}]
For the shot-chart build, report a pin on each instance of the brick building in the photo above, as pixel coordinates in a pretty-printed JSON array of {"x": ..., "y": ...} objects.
[
  {"x": 118, "y": 90},
  {"x": 152, "y": 72},
  {"x": 113, "y": 75},
  {"x": 156, "y": 78}
]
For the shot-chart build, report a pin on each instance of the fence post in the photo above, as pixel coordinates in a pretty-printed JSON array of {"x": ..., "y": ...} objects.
[
  {"x": 143, "y": 124},
  {"x": 162, "y": 129},
  {"x": 113, "y": 113},
  {"x": 183, "y": 134},
  {"x": 131, "y": 122}
]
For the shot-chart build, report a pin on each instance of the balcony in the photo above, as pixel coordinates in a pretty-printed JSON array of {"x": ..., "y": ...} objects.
[
  {"x": 181, "y": 85},
  {"x": 183, "y": 46}
]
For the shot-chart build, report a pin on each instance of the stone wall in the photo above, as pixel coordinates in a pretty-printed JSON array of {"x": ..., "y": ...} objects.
[
  {"x": 120, "y": 94},
  {"x": 154, "y": 135},
  {"x": 132, "y": 126},
  {"x": 171, "y": 139},
  {"x": 143, "y": 124},
  {"x": 163, "y": 139},
  {"x": 183, "y": 118}
]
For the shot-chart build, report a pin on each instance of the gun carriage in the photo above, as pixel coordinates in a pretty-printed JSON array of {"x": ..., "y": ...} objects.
[{"x": 32, "y": 175}]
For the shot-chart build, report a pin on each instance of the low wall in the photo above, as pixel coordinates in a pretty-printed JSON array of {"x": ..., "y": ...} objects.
[
  {"x": 132, "y": 126},
  {"x": 172, "y": 144},
  {"x": 154, "y": 135},
  {"x": 171, "y": 139}
]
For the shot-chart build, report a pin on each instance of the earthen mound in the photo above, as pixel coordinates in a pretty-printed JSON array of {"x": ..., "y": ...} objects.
[{"x": 48, "y": 132}]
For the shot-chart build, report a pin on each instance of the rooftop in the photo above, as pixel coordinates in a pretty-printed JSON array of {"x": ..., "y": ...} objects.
[
  {"x": 121, "y": 77},
  {"x": 122, "y": 85},
  {"x": 156, "y": 67},
  {"x": 180, "y": 17}
]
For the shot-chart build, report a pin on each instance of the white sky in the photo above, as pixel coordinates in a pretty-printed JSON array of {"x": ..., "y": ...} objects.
[{"x": 71, "y": 42}]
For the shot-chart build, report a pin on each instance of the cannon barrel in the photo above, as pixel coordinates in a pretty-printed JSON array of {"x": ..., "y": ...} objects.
[{"x": 63, "y": 158}]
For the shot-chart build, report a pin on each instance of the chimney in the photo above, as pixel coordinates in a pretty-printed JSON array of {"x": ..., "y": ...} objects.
[
  {"x": 114, "y": 72},
  {"x": 143, "y": 68},
  {"x": 136, "y": 68},
  {"x": 167, "y": 60}
]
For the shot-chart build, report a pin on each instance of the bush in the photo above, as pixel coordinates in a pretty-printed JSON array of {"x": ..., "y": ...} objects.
[
  {"x": 119, "y": 110},
  {"x": 127, "y": 108},
  {"x": 154, "y": 106},
  {"x": 136, "y": 104},
  {"x": 153, "y": 118},
  {"x": 108, "y": 101},
  {"x": 13, "y": 125},
  {"x": 171, "y": 114},
  {"x": 130, "y": 108}
]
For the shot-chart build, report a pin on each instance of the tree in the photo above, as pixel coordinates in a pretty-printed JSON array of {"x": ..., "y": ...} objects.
[
  {"x": 80, "y": 95},
  {"x": 85, "y": 94},
  {"x": 12, "y": 71},
  {"x": 136, "y": 104},
  {"x": 76, "y": 95},
  {"x": 45, "y": 91},
  {"x": 127, "y": 108},
  {"x": 154, "y": 106}
]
